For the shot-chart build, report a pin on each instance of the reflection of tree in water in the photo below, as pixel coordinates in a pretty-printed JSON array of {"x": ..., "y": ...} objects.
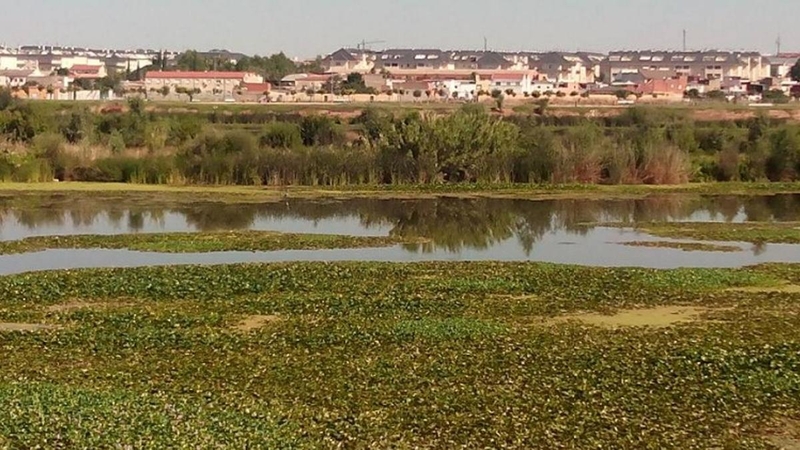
[
  {"x": 726, "y": 207},
  {"x": 135, "y": 221},
  {"x": 450, "y": 223},
  {"x": 456, "y": 223},
  {"x": 35, "y": 218},
  {"x": 781, "y": 208},
  {"x": 759, "y": 248},
  {"x": 115, "y": 216},
  {"x": 785, "y": 208},
  {"x": 210, "y": 217}
]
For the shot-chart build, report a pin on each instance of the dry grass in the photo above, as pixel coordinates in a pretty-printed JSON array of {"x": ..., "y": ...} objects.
[
  {"x": 659, "y": 317},
  {"x": 26, "y": 327},
  {"x": 255, "y": 322}
]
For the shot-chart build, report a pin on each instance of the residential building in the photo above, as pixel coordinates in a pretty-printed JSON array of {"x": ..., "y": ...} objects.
[
  {"x": 347, "y": 60},
  {"x": 517, "y": 82},
  {"x": 653, "y": 83},
  {"x": 706, "y": 64},
  {"x": 88, "y": 72},
  {"x": 9, "y": 62},
  {"x": 52, "y": 58},
  {"x": 217, "y": 83},
  {"x": 302, "y": 82},
  {"x": 560, "y": 67},
  {"x": 18, "y": 77},
  {"x": 781, "y": 65},
  {"x": 458, "y": 89}
]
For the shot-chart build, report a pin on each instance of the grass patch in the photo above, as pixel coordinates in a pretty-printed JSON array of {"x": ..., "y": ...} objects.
[
  {"x": 197, "y": 242},
  {"x": 446, "y": 329},
  {"x": 754, "y": 232},
  {"x": 685, "y": 246},
  {"x": 365, "y": 355},
  {"x": 507, "y": 190}
]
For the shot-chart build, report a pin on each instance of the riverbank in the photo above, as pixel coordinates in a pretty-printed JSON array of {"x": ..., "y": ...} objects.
[{"x": 522, "y": 191}]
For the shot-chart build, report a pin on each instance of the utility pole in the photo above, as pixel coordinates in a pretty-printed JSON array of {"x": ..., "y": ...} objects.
[
  {"x": 684, "y": 40},
  {"x": 485, "y": 44},
  {"x": 778, "y": 45}
]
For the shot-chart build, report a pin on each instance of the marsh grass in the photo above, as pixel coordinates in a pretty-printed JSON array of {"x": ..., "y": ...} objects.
[
  {"x": 197, "y": 242},
  {"x": 398, "y": 356}
]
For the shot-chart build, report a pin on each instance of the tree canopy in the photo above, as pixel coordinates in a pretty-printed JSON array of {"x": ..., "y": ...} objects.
[
  {"x": 795, "y": 72},
  {"x": 273, "y": 67}
]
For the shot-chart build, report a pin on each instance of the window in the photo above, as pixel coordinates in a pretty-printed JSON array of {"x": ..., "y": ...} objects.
[
  {"x": 658, "y": 58},
  {"x": 433, "y": 56},
  {"x": 419, "y": 57},
  {"x": 677, "y": 58},
  {"x": 613, "y": 58},
  {"x": 690, "y": 58},
  {"x": 645, "y": 58}
]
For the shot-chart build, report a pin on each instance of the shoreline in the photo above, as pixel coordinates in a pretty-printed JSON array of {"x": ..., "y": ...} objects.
[{"x": 508, "y": 191}]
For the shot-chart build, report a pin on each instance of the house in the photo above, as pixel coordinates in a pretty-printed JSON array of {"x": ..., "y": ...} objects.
[
  {"x": 518, "y": 83},
  {"x": 674, "y": 86},
  {"x": 216, "y": 83},
  {"x": 302, "y": 82},
  {"x": 543, "y": 86},
  {"x": 628, "y": 80},
  {"x": 9, "y": 62},
  {"x": 18, "y": 77},
  {"x": 706, "y": 64},
  {"x": 255, "y": 88},
  {"x": 88, "y": 72},
  {"x": 781, "y": 65},
  {"x": 412, "y": 60},
  {"x": 560, "y": 67},
  {"x": 457, "y": 89},
  {"x": 480, "y": 60},
  {"x": 347, "y": 60},
  {"x": 733, "y": 86}
]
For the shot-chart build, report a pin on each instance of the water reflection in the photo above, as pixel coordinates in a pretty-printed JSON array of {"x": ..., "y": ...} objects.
[{"x": 450, "y": 224}]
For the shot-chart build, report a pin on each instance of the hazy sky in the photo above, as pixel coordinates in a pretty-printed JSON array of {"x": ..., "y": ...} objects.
[{"x": 309, "y": 27}]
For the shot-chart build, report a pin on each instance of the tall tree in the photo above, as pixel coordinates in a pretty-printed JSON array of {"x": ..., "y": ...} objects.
[
  {"x": 191, "y": 60},
  {"x": 795, "y": 72}
]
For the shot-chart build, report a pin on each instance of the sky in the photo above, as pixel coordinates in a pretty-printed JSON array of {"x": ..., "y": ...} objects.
[{"x": 306, "y": 28}]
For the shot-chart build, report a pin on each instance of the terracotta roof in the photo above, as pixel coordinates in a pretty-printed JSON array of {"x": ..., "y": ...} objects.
[
  {"x": 508, "y": 76},
  {"x": 197, "y": 75},
  {"x": 85, "y": 68},
  {"x": 256, "y": 87},
  {"x": 16, "y": 73}
]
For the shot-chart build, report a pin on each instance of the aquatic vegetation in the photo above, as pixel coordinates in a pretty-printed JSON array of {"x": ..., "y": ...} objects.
[
  {"x": 198, "y": 242},
  {"x": 373, "y": 355},
  {"x": 685, "y": 246},
  {"x": 755, "y": 232}
]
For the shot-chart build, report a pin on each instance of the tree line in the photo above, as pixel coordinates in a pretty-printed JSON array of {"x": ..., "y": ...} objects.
[{"x": 470, "y": 145}]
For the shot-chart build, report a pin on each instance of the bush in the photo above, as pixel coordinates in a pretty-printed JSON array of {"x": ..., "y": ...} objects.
[
  {"x": 281, "y": 135},
  {"x": 319, "y": 130}
]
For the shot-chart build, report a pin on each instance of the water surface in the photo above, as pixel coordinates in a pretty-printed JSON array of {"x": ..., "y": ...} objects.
[{"x": 459, "y": 229}]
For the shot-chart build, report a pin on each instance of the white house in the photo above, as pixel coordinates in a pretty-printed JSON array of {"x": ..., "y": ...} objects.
[
  {"x": 543, "y": 86},
  {"x": 9, "y": 62},
  {"x": 519, "y": 83},
  {"x": 463, "y": 89},
  {"x": 18, "y": 77},
  {"x": 205, "y": 82}
]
